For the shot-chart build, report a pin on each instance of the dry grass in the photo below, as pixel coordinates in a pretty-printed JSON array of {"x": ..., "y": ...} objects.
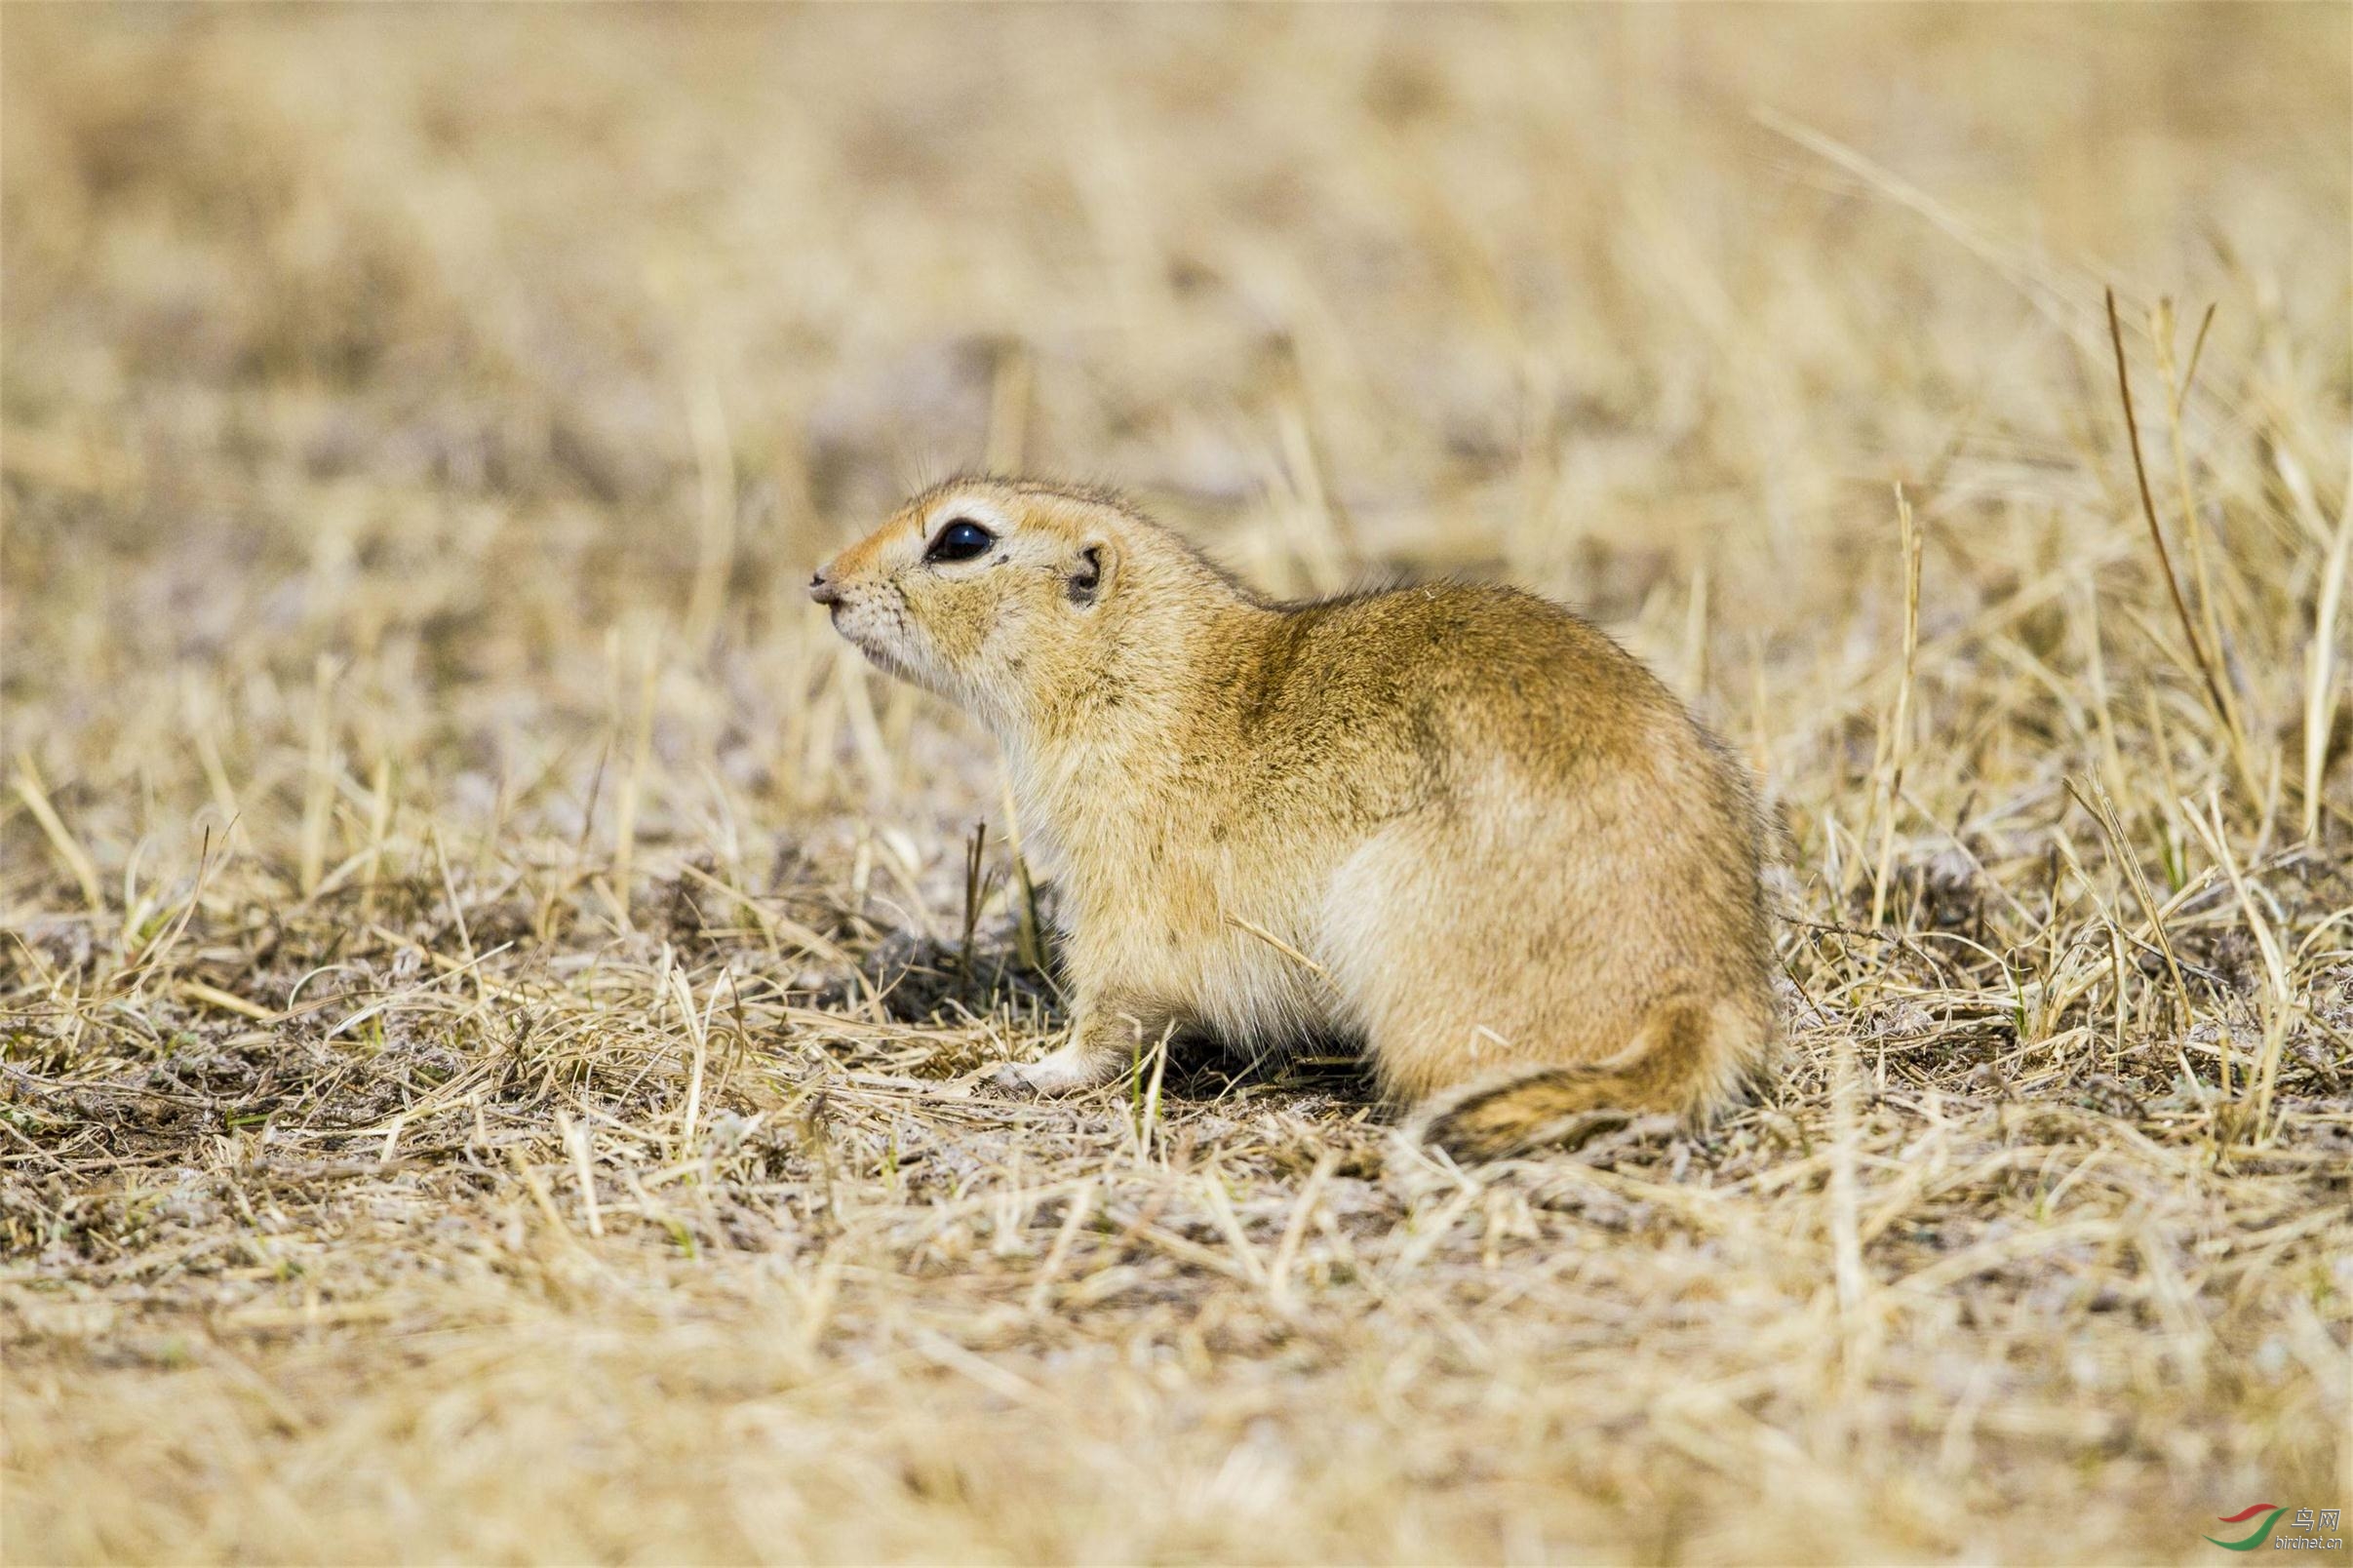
[{"x": 489, "y": 992}]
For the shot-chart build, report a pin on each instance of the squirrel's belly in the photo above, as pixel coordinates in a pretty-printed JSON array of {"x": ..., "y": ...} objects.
[
  {"x": 1233, "y": 978},
  {"x": 1262, "y": 1000}
]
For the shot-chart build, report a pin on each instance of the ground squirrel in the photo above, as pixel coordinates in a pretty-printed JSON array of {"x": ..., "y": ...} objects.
[{"x": 1453, "y": 823}]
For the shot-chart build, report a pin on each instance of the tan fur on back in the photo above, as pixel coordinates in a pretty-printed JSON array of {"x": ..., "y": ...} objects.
[{"x": 1517, "y": 868}]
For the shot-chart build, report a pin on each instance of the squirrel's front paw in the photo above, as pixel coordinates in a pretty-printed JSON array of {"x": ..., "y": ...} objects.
[
  {"x": 1066, "y": 1071},
  {"x": 1012, "y": 1080}
]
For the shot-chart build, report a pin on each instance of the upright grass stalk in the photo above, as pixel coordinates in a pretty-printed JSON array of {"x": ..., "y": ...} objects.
[
  {"x": 1897, "y": 751},
  {"x": 2224, "y": 713},
  {"x": 2320, "y": 677}
]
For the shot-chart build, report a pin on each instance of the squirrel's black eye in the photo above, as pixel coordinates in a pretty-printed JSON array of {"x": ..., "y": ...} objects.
[{"x": 960, "y": 540}]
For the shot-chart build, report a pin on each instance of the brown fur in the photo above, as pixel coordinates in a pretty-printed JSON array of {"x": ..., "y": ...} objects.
[{"x": 1517, "y": 868}]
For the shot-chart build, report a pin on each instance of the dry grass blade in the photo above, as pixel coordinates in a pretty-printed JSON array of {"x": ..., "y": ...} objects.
[
  {"x": 2320, "y": 683},
  {"x": 1899, "y": 730},
  {"x": 77, "y": 860},
  {"x": 2224, "y": 711}
]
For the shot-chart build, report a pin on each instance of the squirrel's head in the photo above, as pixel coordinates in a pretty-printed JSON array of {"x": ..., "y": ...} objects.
[{"x": 995, "y": 594}]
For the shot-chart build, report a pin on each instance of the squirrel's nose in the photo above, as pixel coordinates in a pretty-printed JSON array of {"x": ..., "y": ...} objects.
[{"x": 823, "y": 589}]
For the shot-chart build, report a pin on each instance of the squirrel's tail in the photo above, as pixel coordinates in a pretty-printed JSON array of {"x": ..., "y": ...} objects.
[{"x": 1686, "y": 1061}]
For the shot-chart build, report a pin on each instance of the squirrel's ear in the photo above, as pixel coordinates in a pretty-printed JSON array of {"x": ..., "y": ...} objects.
[{"x": 1090, "y": 570}]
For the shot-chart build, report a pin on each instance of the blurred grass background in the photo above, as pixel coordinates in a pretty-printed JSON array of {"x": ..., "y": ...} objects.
[{"x": 416, "y": 425}]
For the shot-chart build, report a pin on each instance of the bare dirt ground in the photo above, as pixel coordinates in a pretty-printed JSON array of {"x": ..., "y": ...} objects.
[{"x": 492, "y": 996}]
